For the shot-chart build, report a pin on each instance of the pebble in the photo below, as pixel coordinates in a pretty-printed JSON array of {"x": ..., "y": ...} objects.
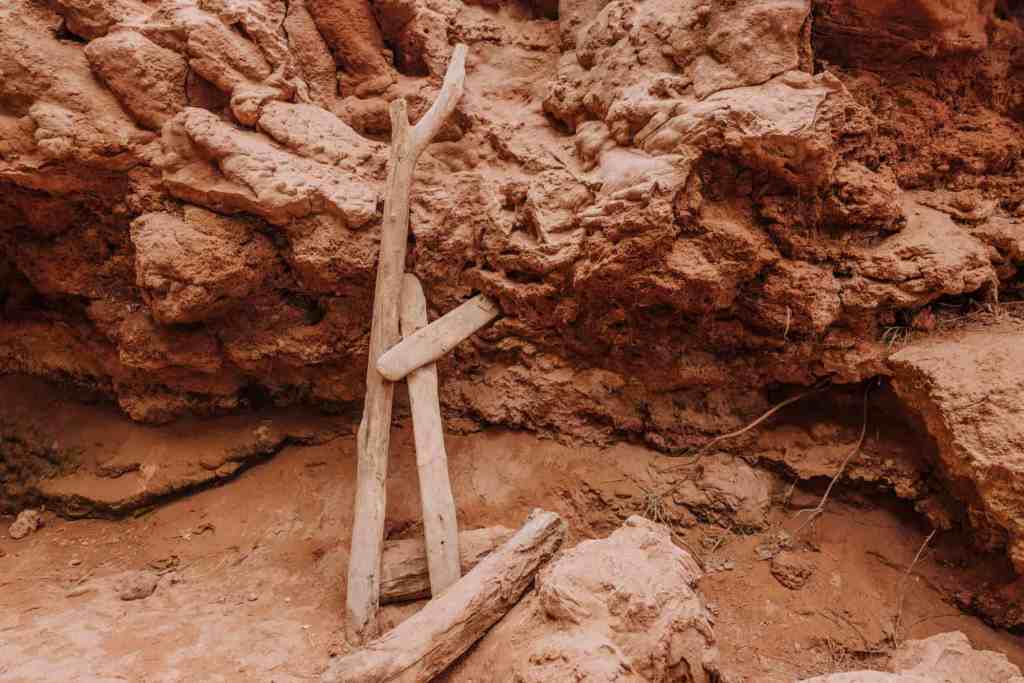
[
  {"x": 27, "y": 522},
  {"x": 137, "y": 585},
  {"x": 792, "y": 570}
]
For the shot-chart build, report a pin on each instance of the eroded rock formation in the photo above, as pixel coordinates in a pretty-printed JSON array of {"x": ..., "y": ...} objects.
[
  {"x": 969, "y": 391},
  {"x": 682, "y": 208}
]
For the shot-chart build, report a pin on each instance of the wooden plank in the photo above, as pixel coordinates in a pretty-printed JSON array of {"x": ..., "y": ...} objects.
[
  {"x": 363, "y": 590},
  {"x": 426, "y": 643},
  {"x": 440, "y": 526},
  {"x": 404, "y": 574},
  {"x": 437, "y": 338}
]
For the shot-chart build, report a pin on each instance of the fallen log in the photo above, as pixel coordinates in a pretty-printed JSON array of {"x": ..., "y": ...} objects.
[
  {"x": 426, "y": 643},
  {"x": 404, "y": 573},
  {"x": 437, "y": 338},
  {"x": 440, "y": 526},
  {"x": 374, "y": 437}
]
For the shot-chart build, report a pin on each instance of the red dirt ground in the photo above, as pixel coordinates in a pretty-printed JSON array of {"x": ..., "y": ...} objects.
[{"x": 252, "y": 587}]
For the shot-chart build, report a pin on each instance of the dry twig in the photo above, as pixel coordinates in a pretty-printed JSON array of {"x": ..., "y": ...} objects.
[{"x": 696, "y": 456}]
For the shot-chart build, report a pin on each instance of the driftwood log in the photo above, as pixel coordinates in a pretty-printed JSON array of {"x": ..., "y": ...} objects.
[
  {"x": 426, "y": 643},
  {"x": 404, "y": 574},
  {"x": 440, "y": 526},
  {"x": 407, "y": 143},
  {"x": 437, "y": 338}
]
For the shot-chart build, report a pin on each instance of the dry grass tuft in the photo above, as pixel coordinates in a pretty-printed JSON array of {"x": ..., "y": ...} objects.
[{"x": 896, "y": 336}]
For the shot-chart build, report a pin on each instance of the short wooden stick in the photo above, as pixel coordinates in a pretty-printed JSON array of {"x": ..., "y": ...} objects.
[
  {"x": 440, "y": 526},
  {"x": 404, "y": 574},
  {"x": 437, "y": 338}
]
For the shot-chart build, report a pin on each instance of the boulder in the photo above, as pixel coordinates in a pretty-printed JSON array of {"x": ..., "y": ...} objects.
[
  {"x": 947, "y": 657},
  {"x": 25, "y": 523},
  {"x": 137, "y": 585},
  {"x": 969, "y": 391},
  {"x": 147, "y": 79},
  {"x": 781, "y": 127},
  {"x": 251, "y": 173},
  {"x": 618, "y": 609},
  {"x": 930, "y": 257},
  {"x": 190, "y": 269},
  {"x": 93, "y": 18}
]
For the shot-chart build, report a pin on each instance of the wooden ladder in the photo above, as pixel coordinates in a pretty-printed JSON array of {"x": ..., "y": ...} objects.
[{"x": 403, "y": 345}]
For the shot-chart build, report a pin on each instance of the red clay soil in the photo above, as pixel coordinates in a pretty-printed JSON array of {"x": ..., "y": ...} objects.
[{"x": 250, "y": 574}]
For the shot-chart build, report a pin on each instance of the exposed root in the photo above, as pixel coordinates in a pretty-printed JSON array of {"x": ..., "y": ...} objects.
[
  {"x": 979, "y": 313},
  {"x": 815, "y": 512},
  {"x": 901, "y": 591},
  {"x": 700, "y": 452}
]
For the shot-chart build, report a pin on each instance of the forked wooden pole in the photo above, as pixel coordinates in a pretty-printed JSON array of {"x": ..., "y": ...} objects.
[
  {"x": 437, "y": 338},
  {"x": 440, "y": 527},
  {"x": 363, "y": 596}
]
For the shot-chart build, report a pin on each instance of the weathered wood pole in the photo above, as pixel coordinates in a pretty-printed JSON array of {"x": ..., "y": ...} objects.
[
  {"x": 440, "y": 526},
  {"x": 407, "y": 143}
]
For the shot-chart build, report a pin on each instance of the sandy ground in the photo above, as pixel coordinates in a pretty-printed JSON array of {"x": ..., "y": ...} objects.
[{"x": 251, "y": 573}]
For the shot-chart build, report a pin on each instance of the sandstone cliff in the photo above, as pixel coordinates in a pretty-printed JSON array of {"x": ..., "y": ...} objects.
[{"x": 683, "y": 209}]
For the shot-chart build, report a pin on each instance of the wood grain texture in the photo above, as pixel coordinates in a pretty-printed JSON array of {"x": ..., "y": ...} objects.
[
  {"x": 363, "y": 590},
  {"x": 404, "y": 573},
  {"x": 440, "y": 524},
  {"x": 437, "y": 338},
  {"x": 429, "y": 641}
]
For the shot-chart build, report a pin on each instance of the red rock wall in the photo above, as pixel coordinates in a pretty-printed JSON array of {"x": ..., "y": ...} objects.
[{"x": 679, "y": 205}]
